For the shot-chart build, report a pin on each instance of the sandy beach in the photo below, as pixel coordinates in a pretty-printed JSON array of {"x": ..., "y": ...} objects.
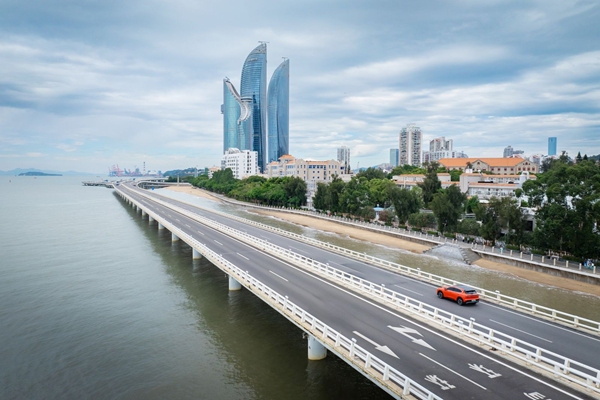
[{"x": 360, "y": 234}]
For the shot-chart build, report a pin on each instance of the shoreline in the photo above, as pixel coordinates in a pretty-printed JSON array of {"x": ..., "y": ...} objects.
[{"x": 416, "y": 248}]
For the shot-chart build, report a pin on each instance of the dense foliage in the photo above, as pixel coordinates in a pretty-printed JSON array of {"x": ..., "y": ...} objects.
[
  {"x": 568, "y": 201},
  {"x": 287, "y": 191}
]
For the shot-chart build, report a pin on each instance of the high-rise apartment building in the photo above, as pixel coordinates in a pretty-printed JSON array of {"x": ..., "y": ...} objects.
[
  {"x": 394, "y": 157},
  {"x": 343, "y": 157},
  {"x": 410, "y": 145},
  {"x": 440, "y": 144},
  {"x": 552, "y": 146},
  {"x": 279, "y": 112},
  {"x": 254, "y": 86}
]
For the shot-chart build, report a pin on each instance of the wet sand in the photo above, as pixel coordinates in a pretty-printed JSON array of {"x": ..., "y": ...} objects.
[{"x": 360, "y": 234}]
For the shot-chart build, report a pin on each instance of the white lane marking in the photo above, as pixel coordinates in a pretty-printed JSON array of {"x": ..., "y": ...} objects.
[
  {"x": 187, "y": 225},
  {"x": 519, "y": 330},
  {"x": 383, "y": 349},
  {"x": 454, "y": 372},
  {"x": 297, "y": 249},
  {"x": 412, "y": 291},
  {"x": 404, "y": 331},
  {"x": 201, "y": 233},
  {"x": 277, "y": 275},
  {"x": 572, "y": 331},
  {"x": 216, "y": 241},
  {"x": 243, "y": 256}
]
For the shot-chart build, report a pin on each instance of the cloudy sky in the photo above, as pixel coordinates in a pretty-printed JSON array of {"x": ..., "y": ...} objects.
[{"x": 88, "y": 84}]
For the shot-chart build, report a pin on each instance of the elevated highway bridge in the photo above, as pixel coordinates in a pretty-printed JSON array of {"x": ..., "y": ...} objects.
[{"x": 390, "y": 326}]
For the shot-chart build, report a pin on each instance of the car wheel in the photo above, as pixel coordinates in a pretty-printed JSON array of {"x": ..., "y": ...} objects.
[
  {"x": 460, "y": 301},
  {"x": 440, "y": 295}
]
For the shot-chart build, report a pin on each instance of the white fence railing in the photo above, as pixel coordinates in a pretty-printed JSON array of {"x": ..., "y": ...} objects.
[
  {"x": 389, "y": 378},
  {"x": 552, "y": 363}
]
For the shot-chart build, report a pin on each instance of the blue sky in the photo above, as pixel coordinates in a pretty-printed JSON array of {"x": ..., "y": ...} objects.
[{"x": 88, "y": 84}]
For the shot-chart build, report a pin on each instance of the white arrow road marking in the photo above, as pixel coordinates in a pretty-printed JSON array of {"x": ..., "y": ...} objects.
[
  {"x": 405, "y": 332},
  {"x": 454, "y": 372},
  {"x": 383, "y": 349}
]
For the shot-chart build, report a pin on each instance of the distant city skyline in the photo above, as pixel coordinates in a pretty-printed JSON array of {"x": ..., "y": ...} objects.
[{"x": 86, "y": 86}]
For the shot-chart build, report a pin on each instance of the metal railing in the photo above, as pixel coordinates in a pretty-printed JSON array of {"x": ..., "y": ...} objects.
[
  {"x": 386, "y": 376},
  {"x": 548, "y": 361}
]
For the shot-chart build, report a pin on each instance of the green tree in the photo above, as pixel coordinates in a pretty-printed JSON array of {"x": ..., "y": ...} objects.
[
  {"x": 468, "y": 226},
  {"x": 320, "y": 197},
  {"x": 355, "y": 196},
  {"x": 421, "y": 220},
  {"x": 295, "y": 189},
  {"x": 567, "y": 197},
  {"x": 371, "y": 173},
  {"x": 431, "y": 184},
  {"x": 405, "y": 201},
  {"x": 447, "y": 207},
  {"x": 380, "y": 192}
]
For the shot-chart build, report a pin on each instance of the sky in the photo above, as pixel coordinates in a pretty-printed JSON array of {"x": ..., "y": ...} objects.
[{"x": 85, "y": 85}]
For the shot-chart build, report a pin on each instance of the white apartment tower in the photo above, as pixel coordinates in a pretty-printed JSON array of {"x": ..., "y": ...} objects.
[
  {"x": 410, "y": 145},
  {"x": 343, "y": 157},
  {"x": 243, "y": 163}
]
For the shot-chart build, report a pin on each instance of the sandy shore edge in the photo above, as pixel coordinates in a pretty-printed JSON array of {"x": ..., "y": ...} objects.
[{"x": 360, "y": 234}]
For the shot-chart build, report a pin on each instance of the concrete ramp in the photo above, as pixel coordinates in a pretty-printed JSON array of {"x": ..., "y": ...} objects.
[{"x": 454, "y": 252}]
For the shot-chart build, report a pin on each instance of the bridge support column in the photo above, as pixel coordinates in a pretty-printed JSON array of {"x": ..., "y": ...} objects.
[
  {"x": 316, "y": 351},
  {"x": 174, "y": 237},
  {"x": 143, "y": 213},
  {"x": 234, "y": 284},
  {"x": 196, "y": 254},
  {"x": 150, "y": 219},
  {"x": 160, "y": 226}
]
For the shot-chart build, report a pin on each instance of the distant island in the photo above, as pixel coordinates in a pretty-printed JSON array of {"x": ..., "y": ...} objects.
[{"x": 37, "y": 174}]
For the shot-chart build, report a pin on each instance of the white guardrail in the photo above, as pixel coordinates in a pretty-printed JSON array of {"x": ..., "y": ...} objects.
[
  {"x": 392, "y": 380},
  {"x": 547, "y": 361}
]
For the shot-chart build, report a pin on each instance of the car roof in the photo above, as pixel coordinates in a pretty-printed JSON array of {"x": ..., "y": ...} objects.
[{"x": 464, "y": 287}]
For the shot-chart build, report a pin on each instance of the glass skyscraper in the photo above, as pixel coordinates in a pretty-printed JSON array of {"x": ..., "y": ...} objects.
[
  {"x": 552, "y": 146},
  {"x": 254, "y": 87},
  {"x": 279, "y": 112},
  {"x": 237, "y": 119}
]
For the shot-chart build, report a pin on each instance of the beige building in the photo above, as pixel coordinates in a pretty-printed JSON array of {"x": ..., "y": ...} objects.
[
  {"x": 409, "y": 181},
  {"x": 500, "y": 166},
  {"x": 473, "y": 184}
]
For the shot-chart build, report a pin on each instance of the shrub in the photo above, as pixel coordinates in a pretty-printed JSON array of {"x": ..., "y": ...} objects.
[
  {"x": 432, "y": 233},
  {"x": 450, "y": 235},
  {"x": 513, "y": 247}
]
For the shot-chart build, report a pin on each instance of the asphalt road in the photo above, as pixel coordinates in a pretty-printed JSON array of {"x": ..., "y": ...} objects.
[{"x": 447, "y": 366}]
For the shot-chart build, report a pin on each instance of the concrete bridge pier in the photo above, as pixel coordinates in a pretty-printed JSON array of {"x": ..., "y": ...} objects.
[
  {"x": 160, "y": 226},
  {"x": 196, "y": 254},
  {"x": 234, "y": 284},
  {"x": 316, "y": 351},
  {"x": 143, "y": 213},
  {"x": 174, "y": 237},
  {"x": 150, "y": 219}
]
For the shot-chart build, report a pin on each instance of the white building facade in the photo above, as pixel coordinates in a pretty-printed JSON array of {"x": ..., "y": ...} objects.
[
  {"x": 243, "y": 163},
  {"x": 410, "y": 145}
]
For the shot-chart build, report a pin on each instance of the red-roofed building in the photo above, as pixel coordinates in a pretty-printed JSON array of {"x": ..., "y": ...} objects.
[{"x": 500, "y": 166}]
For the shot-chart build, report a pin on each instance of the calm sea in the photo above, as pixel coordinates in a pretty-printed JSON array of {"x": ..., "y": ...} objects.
[{"x": 96, "y": 304}]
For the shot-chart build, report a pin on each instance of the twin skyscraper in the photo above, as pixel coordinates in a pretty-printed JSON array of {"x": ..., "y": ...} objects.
[{"x": 246, "y": 114}]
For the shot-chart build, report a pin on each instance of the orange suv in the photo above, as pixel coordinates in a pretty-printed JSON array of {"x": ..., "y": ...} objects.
[{"x": 460, "y": 294}]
